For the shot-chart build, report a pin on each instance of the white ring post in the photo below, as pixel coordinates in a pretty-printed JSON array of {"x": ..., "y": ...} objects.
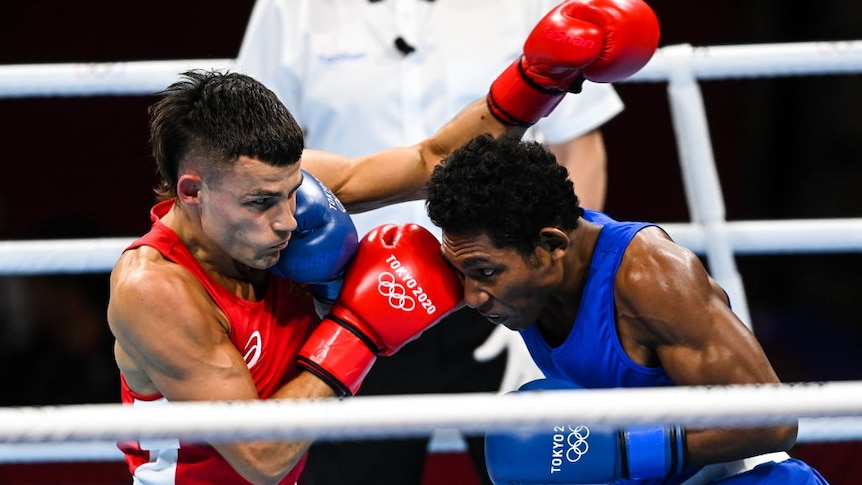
[{"x": 701, "y": 182}]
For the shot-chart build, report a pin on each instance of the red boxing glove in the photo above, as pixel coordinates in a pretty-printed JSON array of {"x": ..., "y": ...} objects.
[
  {"x": 600, "y": 40},
  {"x": 397, "y": 286}
]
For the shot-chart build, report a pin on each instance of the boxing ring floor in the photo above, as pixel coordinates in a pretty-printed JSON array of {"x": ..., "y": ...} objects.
[{"x": 72, "y": 436}]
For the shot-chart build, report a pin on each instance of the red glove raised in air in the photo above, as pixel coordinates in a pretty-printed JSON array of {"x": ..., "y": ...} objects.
[
  {"x": 397, "y": 286},
  {"x": 600, "y": 40}
]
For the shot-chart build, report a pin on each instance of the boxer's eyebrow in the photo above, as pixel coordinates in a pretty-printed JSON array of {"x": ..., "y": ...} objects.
[
  {"x": 474, "y": 261},
  {"x": 301, "y": 179},
  {"x": 477, "y": 262}
]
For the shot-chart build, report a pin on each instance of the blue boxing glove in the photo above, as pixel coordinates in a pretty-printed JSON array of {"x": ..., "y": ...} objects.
[
  {"x": 579, "y": 454},
  {"x": 324, "y": 241}
]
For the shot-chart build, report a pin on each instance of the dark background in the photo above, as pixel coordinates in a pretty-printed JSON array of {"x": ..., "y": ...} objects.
[{"x": 80, "y": 167}]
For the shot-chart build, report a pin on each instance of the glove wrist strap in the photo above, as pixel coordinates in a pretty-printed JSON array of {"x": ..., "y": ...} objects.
[
  {"x": 653, "y": 452},
  {"x": 338, "y": 356},
  {"x": 516, "y": 100}
]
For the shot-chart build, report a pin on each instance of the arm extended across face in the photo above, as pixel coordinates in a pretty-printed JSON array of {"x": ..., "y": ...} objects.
[{"x": 399, "y": 174}]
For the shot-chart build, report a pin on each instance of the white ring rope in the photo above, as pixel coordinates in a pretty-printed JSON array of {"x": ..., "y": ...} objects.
[
  {"x": 97, "y": 78},
  {"x": 825, "y": 410},
  {"x": 754, "y": 60},
  {"x": 707, "y": 62},
  {"x": 418, "y": 415},
  {"x": 60, "y": 256},
  {"x": 30, "y": 257}
]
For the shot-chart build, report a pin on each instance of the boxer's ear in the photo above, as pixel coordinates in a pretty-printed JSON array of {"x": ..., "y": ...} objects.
[
  {"x": 553, "y": 240},
  {"x": 551, "y": 247},
  {"x": 188, "y": 188}
]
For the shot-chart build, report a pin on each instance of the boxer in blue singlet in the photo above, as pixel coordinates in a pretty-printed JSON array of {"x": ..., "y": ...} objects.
[{"x": 600, "y": 304}]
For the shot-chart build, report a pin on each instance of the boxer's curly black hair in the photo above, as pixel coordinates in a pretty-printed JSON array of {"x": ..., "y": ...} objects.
[
  {"x": 505, "y": 188},
  {"x": 214, "y": 117}
]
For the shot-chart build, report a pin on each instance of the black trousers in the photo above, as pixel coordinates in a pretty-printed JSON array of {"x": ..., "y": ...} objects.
[{"x": 440, "y": 361}]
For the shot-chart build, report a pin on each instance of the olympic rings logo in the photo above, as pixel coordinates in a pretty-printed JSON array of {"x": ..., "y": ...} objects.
[
  {"x": 394, "y": 292},
  {"x": 569, "y": 442},
  {"x": 577, "y": 440}
]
